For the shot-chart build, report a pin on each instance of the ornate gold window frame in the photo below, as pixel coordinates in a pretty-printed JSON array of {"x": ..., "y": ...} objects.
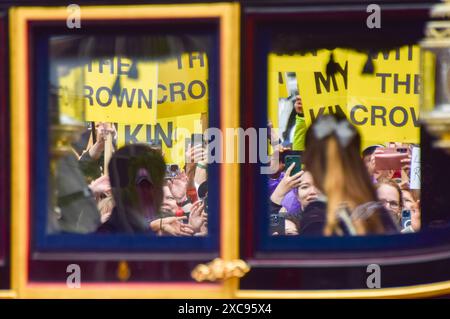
[{"x": 20, "y": 17}]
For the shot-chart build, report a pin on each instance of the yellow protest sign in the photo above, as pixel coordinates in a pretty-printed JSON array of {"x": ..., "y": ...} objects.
[
  {"x": 282, "y": 85},
  {"x": 428, "y": 82},
  {"x": 120, "y": 90},
  {"x": 172, "y": 132},
  {"x": 70, "y": 94},
  {"x": 320, "y": 92},
  {"x": 273, "y": 95},
  {"x": 183, "y": 85},
  {"x": 133, "y": 91},
  {"x": 147, "y": 101},
  {"x": 309, "y": 72},
  {"x": 383, "y": 105}
]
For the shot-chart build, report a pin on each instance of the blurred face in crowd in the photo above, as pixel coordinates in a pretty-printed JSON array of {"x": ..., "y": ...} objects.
[
  {"x": 290, "y": 228},
  {"x": 366, "y": 160},
  {"x": 390, "y": 198},
  {"x": 410, "y": 204},
  {"x": 144, "y": 189},
  {"x": 408, "y": 200},
  {"x": 415, "y": 217},
  {"x": 169, "y": 204},
  {"x": 307, "y": 192},
  {"x": 369, "y": 161}
]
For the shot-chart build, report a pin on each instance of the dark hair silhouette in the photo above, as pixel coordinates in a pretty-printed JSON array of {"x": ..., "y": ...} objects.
[
  {"x": 136, "y": 174},
  {"x": 333, "y": 158}
]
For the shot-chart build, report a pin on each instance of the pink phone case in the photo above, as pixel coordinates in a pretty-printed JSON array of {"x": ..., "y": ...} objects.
[{"x": 388, "y": 161}]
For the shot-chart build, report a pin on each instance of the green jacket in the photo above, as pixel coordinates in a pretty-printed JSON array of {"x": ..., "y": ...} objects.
[{"x": 299, "y": 134}]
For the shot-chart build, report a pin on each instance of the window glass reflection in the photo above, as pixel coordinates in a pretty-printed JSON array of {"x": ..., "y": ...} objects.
[
  {"x": 345, "y": 142},
  {"x": 127, "y": 148}
]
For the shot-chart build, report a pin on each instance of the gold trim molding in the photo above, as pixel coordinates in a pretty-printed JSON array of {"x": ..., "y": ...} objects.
[{"x": 219, "y": 269}]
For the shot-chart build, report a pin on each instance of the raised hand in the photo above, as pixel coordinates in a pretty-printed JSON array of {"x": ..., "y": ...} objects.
[
  {"x": 174, "y": 226},
  {"x": 196, "y": 154},
  {"x": 101, "y": 186},
  {"x": 198, "y": 216},
  {"x": 178, "y": 187},
  {"x": 287, "y": 183}
]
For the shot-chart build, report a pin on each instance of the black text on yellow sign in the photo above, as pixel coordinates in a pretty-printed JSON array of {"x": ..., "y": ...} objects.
[
  {"x": 126, "y": 91},
  {"x": 388, "y": 98}
]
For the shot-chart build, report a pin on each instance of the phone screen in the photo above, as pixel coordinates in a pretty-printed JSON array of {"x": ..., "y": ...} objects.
[
  {"x": 277, "y": 224},
  {"x": 172, "y": 171},
  {"x": 389, "y": 159},
  {"x": 285, "y": 153},
  {"x": 289, "y": 159},
  {"x": 406, "y": 218},
  {"x": 186, "y": 221}
]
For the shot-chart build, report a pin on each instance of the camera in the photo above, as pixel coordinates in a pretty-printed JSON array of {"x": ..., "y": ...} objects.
[
  {"x": 406, "y": 218},
  {"x": 203, "y": 194},
  {"x": 172, "y": 171},
  {"x": 390, "y": 158},
  {"x": 205, "y": 202},
  {"x": 277, "y": 224}
]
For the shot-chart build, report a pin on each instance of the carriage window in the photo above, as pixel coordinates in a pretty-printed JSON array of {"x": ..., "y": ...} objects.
[
  {"x": 357, "y": 170},
  {"x": 127, "y": 116}
]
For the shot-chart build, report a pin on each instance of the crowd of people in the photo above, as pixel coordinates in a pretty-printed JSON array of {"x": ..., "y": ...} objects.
[
  {"x": 340, "y": 190},
  {"x": 137, "y": 193}
]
